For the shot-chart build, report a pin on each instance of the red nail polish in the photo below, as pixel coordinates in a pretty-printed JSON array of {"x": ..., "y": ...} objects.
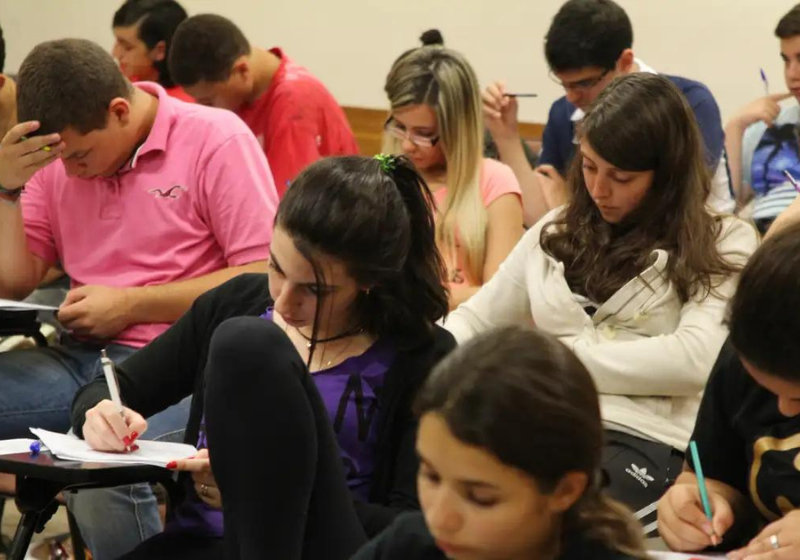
[
  {"x": 172, "y": 465},
  {"x": 127, "y": 441},
  {"x": 134, "y": 435},
  {"x": 134, "y": 447}
]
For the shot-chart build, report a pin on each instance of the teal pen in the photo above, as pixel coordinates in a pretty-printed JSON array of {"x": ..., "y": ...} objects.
[{"x": 701, "y": 482}]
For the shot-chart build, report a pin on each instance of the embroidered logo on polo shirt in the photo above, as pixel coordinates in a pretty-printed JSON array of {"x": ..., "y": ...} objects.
[
  {"x": 640, "y": 474},
  {"x": 172, "y": 192}
]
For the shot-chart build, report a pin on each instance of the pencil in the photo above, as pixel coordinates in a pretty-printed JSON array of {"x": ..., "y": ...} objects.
[
  {"x": 520, "y": 95},
  {"x": 701, "y": 481},
  {"x": 792, "y": 180}
]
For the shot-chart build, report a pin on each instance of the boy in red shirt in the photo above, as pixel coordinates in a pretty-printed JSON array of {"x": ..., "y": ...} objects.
[{"x": 295, "y": 118}]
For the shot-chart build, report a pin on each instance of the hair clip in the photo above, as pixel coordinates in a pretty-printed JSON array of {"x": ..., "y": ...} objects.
[{"x": 388, "y": 162}]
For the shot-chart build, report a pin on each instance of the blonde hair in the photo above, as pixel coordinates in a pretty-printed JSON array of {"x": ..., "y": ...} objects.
[{"x": 443, "y": 79}]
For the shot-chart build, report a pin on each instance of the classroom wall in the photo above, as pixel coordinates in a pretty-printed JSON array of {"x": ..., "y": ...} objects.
[{"x": 350, "y": 44}]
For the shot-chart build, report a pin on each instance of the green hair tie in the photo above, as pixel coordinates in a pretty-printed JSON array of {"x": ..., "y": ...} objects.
[{"x": 388, "y": 162}]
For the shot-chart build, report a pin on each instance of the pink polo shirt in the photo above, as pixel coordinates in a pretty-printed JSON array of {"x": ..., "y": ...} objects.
[{"x": 198, "y": 197}]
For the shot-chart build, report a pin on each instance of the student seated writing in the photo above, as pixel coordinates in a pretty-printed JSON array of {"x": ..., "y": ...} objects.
[
  {"x": 302, "y": 380},
  {"x": 436, "y": 122},
  {"x": 510, "y": 444},
  {"x": 146, "y": 201},
  {"x": 633, "y": 275},
  {"x": 588, "y": 44},
  {"x": 143, "y": 32},
  {"x": 295, "y": 118},
  {"x": 749, "y": 420}
]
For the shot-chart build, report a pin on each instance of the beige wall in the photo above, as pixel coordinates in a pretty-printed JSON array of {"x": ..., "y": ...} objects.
[{"x": 350, "y": 44}]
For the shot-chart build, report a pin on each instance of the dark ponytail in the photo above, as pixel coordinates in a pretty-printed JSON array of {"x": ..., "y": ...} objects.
[
  {"x": 377, "y": 216},
  {"x": 524, "y": 397}
]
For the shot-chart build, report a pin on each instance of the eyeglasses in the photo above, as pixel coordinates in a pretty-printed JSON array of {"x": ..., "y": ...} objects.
[
  {"x": 393, "y": 128},
  {"x": 580, "y": 85}
]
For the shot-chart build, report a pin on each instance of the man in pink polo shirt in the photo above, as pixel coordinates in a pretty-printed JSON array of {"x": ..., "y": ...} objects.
[
  {"x": 290, "y": 111},
  {"x": 146, "y": 201}
]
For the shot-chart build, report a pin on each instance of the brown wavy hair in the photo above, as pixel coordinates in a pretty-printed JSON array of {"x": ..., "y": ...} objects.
[
  {"x": 641, "y": 122},
  {"x": 524, "y": 397}
]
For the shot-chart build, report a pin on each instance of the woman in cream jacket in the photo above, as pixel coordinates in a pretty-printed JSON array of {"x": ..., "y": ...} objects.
[{"x": 633, "y": 275}]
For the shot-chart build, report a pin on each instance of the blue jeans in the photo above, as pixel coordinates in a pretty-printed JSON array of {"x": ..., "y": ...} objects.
[
  {"x": 38, "y": 384},
  {"x": 114, "y": 521}
]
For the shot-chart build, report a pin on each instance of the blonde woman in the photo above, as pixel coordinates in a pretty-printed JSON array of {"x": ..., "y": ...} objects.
[{"x": 436, "y": 122}]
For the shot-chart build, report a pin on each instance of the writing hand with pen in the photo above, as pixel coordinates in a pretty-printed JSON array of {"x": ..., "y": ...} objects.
[
  {"x": 105, "y": 429},
  {"x": 682, "y": 521}
]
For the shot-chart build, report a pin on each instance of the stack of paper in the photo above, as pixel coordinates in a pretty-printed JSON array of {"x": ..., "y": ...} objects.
[{"x": 71, "y": 448}]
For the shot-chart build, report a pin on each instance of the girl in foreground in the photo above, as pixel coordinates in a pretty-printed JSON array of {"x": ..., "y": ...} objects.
[{"x": 510, "y": 440}]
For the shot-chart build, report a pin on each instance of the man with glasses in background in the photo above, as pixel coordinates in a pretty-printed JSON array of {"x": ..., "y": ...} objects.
[{"x": 589, "y": 43}]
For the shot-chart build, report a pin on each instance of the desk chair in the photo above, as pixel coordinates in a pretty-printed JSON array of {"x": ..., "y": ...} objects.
[{"x": 27, "y": 325}]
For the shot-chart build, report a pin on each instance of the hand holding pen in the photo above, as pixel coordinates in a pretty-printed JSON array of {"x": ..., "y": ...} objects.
[
  {"x": 110, "y": 426},
  {"x": 500, "y": 111},
  {"x": 695, "y": 513}
]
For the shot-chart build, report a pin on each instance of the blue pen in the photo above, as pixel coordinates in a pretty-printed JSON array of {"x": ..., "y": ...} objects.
[
  {"x": 766, "y": 82},
  {"x": 701, "y": 484},
  {"x": 36, "y": 447}
]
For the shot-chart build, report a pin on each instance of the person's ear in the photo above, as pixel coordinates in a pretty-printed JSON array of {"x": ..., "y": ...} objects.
[
  {"x": 568, "y": 491},
  {"x": 159, "y": 52},
  {"x": 241, "y": 70},
  {"x": 625, "y": 62},
  {"x": 120, "y": 109}
]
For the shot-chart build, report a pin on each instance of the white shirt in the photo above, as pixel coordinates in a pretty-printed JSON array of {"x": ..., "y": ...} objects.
[{"x": 649, "y": 354}]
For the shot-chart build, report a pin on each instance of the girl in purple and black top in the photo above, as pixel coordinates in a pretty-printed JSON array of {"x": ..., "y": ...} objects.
[{"x": 303, "y": 412}]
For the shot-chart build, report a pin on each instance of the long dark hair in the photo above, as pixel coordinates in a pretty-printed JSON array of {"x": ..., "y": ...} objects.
[
  {"x": 380, "y": 223},
  {"x": 641, "y": 122},
  {"x": 521, "y": 395}
]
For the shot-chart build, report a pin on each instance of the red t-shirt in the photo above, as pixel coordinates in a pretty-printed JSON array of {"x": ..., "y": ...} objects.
[
  {"x": 179, "y": 93},
  {"x": 297, "y": 121}
]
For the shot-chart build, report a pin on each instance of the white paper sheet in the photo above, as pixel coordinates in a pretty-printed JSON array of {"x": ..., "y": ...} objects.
[
  {"x": 10, "y": 305},
  {"x": 71, "y": 448},
  {"x": 9, "y": 446},
  {"x": 679, "y": 556}
]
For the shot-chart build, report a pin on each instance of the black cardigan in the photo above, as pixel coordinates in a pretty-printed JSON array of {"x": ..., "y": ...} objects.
[{"x": 172, "y": 367}]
